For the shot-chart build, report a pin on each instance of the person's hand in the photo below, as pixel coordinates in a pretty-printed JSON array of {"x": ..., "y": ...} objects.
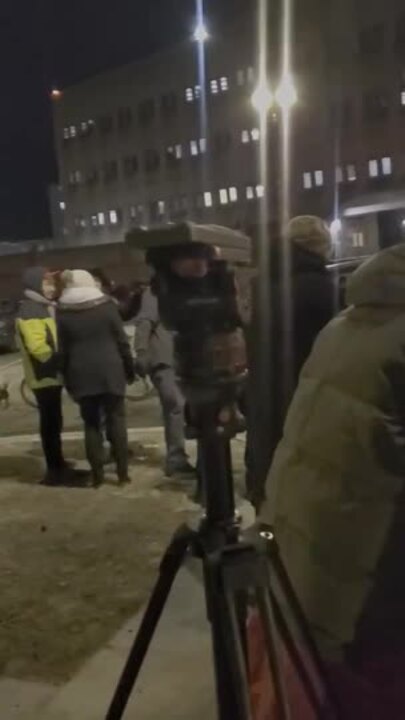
[{"x": 141, "y": 365}]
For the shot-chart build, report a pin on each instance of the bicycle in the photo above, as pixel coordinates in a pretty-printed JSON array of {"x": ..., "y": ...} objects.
[{"x": 141, "y": 390}]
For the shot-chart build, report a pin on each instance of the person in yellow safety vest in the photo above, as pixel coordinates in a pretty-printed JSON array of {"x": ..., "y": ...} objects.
[{"x": 38, "y": 343}]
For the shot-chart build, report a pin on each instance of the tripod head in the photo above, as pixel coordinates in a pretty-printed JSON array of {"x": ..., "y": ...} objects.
[{"x": 195, "y": 283}]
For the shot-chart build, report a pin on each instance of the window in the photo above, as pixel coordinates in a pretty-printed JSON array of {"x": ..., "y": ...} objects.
[
  {"x": 86, "y": 128},
  {"x": 222, "y": 141},
  {"x": 101, "y": 218},
  {"x": 189, "y": 95},
  {"x": 358, "y": 240},
  {"x": 173, "y": 155},
  {"x": 233, "y": 194},
  {"x": 386, "y": 165},
  {"x": 208, "y": 199},
  {"x": 260, "y": 191},
  {"x": 240, "y": 78},
  {"x": 80, "y": 223},
  {"x": 371, "y": 40},
  {"x": 250, "y": 74},
  {"x": 146, "y": 112},
  {"x": 250, "y": 192},
  {"x": 75, "y": 178},
  {"x": 307, "y": 180},
  {"x": 194, "y": 147},
  {"x": 319, "y": 180},
  {"x": 202, "y": 145},
  {"x": 94, "y": 221},
  {"x": 403, "y": 98},
  {"x": 152, "y": 161},
  {"x": 375, "y": 106},
  {"x": 245, "y": 136},
  {"x": 214, "y": 87},
  {"x": 169, "y": 105},
  {"x": 106, "y": 124},
  {"x": 66, "y": 133},
  {"x": 373, "y": 168},
  {"x": 114, "y": 217},
  {"x": 351, "y": 173},
  {"x": 136, "y": 214},
  {"x": 178, "y": 151},
  {"x": 110, "y": 171},
  {"x": 197, "y": 92},
  {"x": 124, "y": 118},
  {"x": 224, "y": 84},
  {"x": 161, "y": 207},
  {"x": 339, "y": 174},
  {"x": 62, "y": 206},
  {"x": 255, "y": 134},
  {"x": 223, "y": 196},
  {"x": 73, "y": 131},
  {"x": 131, "y": 165}
]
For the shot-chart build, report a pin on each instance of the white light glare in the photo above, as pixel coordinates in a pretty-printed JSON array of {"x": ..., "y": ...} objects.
[
  {"x": 286, "y": 94},
  {"x": 201, "y": 34},
  {"x": 336, "y": 228},
  {"x": 262, "y": 98}
]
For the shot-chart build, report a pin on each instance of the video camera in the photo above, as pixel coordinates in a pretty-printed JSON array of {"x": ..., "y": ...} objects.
[{"x": 199, "y": 301}]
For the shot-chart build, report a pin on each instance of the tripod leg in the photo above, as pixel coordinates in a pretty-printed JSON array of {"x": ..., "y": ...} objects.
[
  {"x": 270, "y": 632},
  {"x": 237, "y": 657},
  {"x": 302, "y": 624},
  {"x": 170, "y": 566}
]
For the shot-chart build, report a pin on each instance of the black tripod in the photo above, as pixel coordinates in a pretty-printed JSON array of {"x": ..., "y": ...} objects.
[{"x": 237, "y": 571}]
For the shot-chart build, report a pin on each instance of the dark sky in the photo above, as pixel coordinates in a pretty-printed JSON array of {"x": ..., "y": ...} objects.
[{"x": 58, "y": 42}]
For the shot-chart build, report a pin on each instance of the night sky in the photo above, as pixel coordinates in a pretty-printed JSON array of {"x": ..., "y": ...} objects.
[{"x": 45, "y": 43}]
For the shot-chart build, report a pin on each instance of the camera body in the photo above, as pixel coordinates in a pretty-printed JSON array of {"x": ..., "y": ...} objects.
[{"x": 199, "y": 301}]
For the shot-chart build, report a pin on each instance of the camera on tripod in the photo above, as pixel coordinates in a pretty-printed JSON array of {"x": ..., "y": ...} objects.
[{"x": 196, "y": 281}]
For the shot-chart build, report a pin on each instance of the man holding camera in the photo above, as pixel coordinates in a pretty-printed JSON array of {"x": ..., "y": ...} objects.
[{"x": 155, "y": 356}]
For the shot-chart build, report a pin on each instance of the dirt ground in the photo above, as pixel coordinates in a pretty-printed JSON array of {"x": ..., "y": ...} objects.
[{"x": 75, "y": 564}]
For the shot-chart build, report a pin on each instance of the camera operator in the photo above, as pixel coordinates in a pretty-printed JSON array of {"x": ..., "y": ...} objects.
[{"x": 155, "y": 356}]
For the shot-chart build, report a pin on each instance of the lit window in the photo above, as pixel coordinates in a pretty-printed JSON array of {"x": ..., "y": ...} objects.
[
  {"x": 319, "y": 178},
  {"x": 373, "y": 168},
  {"x": 194, "y": 147},
  {"x": 94, "y": 221},
  {"x": 233, "y": 194},
  {"x": 83, "y": 222},
  {"x": 255, "y": 133},
  {"x": 214, "y": 87},
  {"x": 178, "y": 152},
  {"x": 224, "y": 84},
  {"x": 161, "y": 207},
  {"x": 358, "y": 239},
  {"x": 62, "y": 205},
  {"x": 260, "y": 191},
  {"x": 73, "y": 131},
  {"x": 307, "y": 180},
  {"x": 66, "y": 133},
  {"x": 197, "y": 92},
  {"x": 113, "y": 217},
  {"x": 351, "y": 173},
  {"x": 403, "y": 98},
  {"x": 223, "y": 196},
  {"x": 101, "y": 218},
  {"x": 339, "y": 174},
  {"x": 84, "y": 128},
  {"x": 203, "y": 145},
  {"x": 250, "y": 192},
  {"x": 240, "y": 78},
  {"x": 386, "y": 164},
  {"x": 208, "y": 199},
  {"x": 189, "y": 93},
  {"x": 245, "y": 137},
  {"x": 250, "y": 74}
]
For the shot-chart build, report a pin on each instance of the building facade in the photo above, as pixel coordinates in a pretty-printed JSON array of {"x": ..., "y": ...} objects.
[{"x": 145, "y": 144}]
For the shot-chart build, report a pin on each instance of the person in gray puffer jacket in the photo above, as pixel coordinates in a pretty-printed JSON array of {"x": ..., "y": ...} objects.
[
  {"x": 97, "y": 365},
  {"x": 155, "y": 355}
]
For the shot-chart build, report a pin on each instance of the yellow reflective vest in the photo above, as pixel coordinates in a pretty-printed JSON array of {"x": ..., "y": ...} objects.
[{"x": 38, "y": 343}]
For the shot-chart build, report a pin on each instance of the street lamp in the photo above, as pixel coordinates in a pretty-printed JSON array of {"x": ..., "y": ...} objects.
[
  {"x": 262, "y": 98},
  {"x": 286, "y": 94},
  {"x": 201, "y": 34}
]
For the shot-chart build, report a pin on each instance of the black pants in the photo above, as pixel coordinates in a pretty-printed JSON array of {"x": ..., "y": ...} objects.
[
  {"x": 49, "y": 401},
  {"x": 111, "y": 409}
]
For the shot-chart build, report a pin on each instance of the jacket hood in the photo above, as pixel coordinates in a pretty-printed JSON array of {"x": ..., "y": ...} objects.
[
  {"x": 380, "y": 280},
  {"x": 33, "y": 279},
  {"x": 311, "y": 233},
  {"x": 81, "y": 298}
]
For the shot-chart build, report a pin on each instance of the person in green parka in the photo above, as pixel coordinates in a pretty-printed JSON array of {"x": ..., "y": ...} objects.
[{"x": 336, "y": 488}]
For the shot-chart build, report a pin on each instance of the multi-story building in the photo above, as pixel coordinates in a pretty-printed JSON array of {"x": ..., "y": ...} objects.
[{"x": 145, "y": 143}]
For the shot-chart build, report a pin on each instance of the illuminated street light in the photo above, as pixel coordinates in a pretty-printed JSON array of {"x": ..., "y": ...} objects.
[
  {"x": 56, "y": 94},
  {"x": 336, "y": 228},
  {"x": 286, "y": 94},
  {"x": 201, "y": 33},
  {"x": 262, "y": 98}
]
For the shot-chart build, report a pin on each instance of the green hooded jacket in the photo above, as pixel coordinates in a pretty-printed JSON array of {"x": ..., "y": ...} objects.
[{"x": 336, "y": 492}]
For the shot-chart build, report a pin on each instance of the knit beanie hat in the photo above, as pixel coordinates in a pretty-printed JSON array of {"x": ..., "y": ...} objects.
[
  {"x": 311, "y": 233},
  {"x": 78, "y": 279}
]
